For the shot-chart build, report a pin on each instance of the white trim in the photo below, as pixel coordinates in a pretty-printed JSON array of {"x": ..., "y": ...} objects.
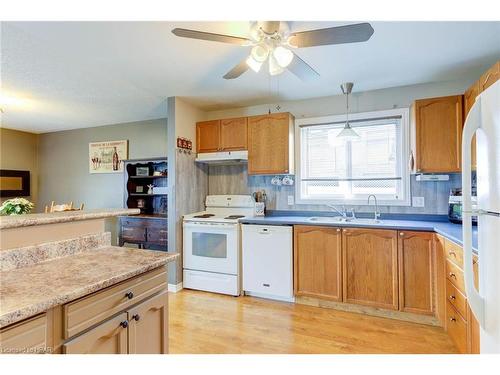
[
  {"x": 405, "y": 173},
  {"x": 269, "y": 296},
  {"x": 173, "y": 288}
]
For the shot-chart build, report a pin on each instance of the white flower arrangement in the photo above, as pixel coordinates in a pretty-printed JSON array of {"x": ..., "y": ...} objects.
[{"x": 16, "y": 206}]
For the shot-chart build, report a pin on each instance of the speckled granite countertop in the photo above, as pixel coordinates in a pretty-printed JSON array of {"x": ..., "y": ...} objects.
[
  {"x": 28, "y": 291},
  {"x": 16, "y": 221}
]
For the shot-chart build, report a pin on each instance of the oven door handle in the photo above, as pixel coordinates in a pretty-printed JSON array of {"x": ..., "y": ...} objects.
[{"x": 210, "y": 225}]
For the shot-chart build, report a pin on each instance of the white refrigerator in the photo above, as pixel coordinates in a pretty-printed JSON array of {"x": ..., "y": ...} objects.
[{"x": 484, "y": 121}]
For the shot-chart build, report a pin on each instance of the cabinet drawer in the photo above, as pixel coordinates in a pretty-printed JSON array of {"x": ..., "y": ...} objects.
[
  {"x": 455, "y": 275},
  {"x": 456, "y": 298},
  {"x": 26, "y": 337},
  {"x": 133, "y": 233},
  {"x": 157, "y": 235},
  {"x": 90, "y": 310},
  {"x": 454, "y": 253},
  {"x": 133, "y": 223},
  {"x": 456, "y": 327}
]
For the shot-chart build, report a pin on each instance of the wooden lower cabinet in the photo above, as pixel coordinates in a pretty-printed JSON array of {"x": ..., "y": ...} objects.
[
  {"x": 148, "y": 326},
  {"x": 110, "y": 337},
  {"x": 416, "y": 272},
  {"x": 30, "y": 336},
  {"x": 317, "y": 262},
  {"x": 370, "y": 267}
]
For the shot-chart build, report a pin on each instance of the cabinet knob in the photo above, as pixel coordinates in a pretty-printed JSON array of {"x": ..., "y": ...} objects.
[
  {"x": 453, "y": 275},
  {"x": 401, "y": 234},
  {"x": 124, "y": 324},
  {"x": 338, "y": 229},
  {"x": 453, "y": 319},
  {"x": 452, "y": 253},
  {"x": 129, "y": 295},
  {"x": 136, "y": 317},
  {"x": 452, "y": 297}
]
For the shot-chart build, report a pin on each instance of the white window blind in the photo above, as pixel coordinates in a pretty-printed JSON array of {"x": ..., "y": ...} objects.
[{"x": 333, "y": 169}]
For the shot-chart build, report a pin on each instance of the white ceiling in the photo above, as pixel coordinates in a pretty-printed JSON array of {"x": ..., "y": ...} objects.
[{"x": 83, "y": 74}]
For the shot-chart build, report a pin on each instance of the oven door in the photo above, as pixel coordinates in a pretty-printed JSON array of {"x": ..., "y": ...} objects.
[{"x": 212, "y": 247}]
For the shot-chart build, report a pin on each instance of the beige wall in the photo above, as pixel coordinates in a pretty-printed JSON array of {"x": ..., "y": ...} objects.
[{"x": 19, "y": 151}]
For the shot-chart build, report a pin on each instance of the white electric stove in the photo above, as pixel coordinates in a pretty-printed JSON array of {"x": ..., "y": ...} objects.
[{"x": 212, "y": 244}]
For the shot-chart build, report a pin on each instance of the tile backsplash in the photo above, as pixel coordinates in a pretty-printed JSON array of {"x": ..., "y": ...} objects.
[{"x": 233, "y": 179}]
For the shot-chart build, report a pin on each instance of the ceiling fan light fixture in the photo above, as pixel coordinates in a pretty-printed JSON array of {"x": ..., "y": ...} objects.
[
  {"x": 260, "y": 53},
  {"x": 274, "y": 67},
  {"x": 283, "y": 56},
  {"x": 253, "y": 64}
]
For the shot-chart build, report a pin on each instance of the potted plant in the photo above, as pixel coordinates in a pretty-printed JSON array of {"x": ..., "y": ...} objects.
[{"x": 16, "y": 206}]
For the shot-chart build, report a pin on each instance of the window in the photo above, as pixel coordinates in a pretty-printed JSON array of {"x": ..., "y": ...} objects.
[{"x": 335, "y": 170}]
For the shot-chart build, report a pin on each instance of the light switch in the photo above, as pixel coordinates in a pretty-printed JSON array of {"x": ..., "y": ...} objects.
[
  {"x": 291, "y": 201},
  {"x": 418, "y": 202}
]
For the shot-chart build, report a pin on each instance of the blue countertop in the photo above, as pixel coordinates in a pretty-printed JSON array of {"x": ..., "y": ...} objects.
[{"x": 447, "y": 229}]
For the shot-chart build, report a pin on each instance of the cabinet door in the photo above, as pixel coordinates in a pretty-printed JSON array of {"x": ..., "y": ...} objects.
[
  {"x": 438, "y": 127},
  {"x": 233, "y": 134},
  {"x": 27, "y": 337},
  {"x": 489, "y": 77},
  {"x": 370, "y": 267},
  {"x": 469, "y": 99},
  {"x": 416, "y": 272},
  {"x": 317, "y": 262},
  {"x": 109, "y": 337},
  {"x": 268, "y": 144},
  {"x": 148, "y": 326},
  {"x": 208, "y": 136}
]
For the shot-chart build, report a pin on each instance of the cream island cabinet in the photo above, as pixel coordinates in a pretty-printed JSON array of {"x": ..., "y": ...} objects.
[{"x": 80, "y": 295}]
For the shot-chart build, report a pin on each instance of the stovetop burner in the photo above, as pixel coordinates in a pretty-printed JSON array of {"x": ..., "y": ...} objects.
[
  {"x": 204, "y": 216},
  {"x": 234, "y": 217}
]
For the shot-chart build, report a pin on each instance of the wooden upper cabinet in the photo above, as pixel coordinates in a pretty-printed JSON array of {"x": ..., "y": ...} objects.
[
  {"x": 148, "y": 326},
  {"x": 270, "y": 144},
  {"x": 370, "y": 267},
  {"x": 109, "y": 337},
  {"x": 416, "y": 272},
  {"x": 208, "y": 136},
  {"x": 317, "y": 262},
  {"x": 233, "y": 134},
  {"x": 437, "y": 131},
  {"x": 489, "y": 77}
]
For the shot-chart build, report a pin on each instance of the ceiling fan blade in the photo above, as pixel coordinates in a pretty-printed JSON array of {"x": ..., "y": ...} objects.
[
  {"x": 194, "y": 34},
  {"x": 359, "y": 32},
  {"x": 302, "y": 69},
  {"x": 269, "y": 27},
  {"x": 238, "y": 70}
]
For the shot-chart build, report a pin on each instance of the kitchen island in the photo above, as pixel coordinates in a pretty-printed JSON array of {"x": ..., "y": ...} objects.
[{"x": 65, "y": 289}]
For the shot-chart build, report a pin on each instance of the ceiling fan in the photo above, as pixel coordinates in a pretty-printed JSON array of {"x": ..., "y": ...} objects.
[{"x": 272, "y": 41}]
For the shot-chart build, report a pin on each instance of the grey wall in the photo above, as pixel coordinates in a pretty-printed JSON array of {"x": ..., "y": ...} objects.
[{"x": 63, "y": 163}]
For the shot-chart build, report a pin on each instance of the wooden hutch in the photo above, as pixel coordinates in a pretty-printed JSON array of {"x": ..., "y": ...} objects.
[{"x": 149, "y": 229}]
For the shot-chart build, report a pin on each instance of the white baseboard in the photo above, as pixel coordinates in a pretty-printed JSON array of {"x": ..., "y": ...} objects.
[
  {"x": 173, "y": 288},
  {"x": 270, "y": 296}
]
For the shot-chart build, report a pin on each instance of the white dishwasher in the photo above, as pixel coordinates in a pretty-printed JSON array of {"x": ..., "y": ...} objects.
[{"x": 267, "y": 261}]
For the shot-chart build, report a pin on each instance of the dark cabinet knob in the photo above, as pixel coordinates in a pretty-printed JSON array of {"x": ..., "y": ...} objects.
[
  {"x": 124, "y": 324},
  {"x": 129, "y": 295},
  {"x": 136, "y": 317}
]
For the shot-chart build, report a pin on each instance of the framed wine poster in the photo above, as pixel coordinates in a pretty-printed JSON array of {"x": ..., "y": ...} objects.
[{"x": 107, "y": 156}]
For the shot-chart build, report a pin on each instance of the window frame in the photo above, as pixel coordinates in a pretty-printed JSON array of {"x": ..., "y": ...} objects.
[{"x": 403, "y": 113}]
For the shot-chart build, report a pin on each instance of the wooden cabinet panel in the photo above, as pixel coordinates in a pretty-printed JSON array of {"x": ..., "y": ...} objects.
[
  {"x": 87, "y": 311},
  {"x": 30, "y": 336},
  {"x": 469, "y": 99},
  {"x": 454, "y": 253},
  {"x": 157, "y": 236},
  {"x": 270, "y": 144},
  {"x": 456, "y": 298},
  {"x": 148, "y": 326},
  {"x": 370, "y": 267},
  {"x": 317, "y": 262},
  {"x": 415, "y": 272},
  {"x": 208, "y": 136},
  {"x": 489, "y": 77},
  {"x": 233, "y": 134},
  {"x": 455, "y": 275},
  {"x": 456, "y": 327},
  {"x": 438, "y": 134},
  {"x": 440, "y": 278},
  {"x": 109, "y": 337}
]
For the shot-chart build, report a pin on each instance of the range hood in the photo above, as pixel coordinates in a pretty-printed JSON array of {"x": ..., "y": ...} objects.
[{"x": 223, "y": 157}]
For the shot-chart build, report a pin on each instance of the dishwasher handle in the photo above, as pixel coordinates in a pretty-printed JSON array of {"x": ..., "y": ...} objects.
[{"x": 264, "y": 231}]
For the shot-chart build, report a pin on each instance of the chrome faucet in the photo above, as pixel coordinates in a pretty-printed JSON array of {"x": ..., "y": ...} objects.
[
  {"x": 376, "y": 213},
  {"x": 342, "y": 213}
]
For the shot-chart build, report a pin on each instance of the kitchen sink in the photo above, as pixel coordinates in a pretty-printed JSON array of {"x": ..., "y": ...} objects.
[{"x": 340, "y": 219}]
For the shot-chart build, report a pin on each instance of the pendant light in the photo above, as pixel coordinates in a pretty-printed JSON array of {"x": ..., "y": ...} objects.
[{"x": 348, "y": 132}]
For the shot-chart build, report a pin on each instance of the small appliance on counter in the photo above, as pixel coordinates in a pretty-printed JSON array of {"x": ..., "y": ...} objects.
[{"x": 455, "y": 206}]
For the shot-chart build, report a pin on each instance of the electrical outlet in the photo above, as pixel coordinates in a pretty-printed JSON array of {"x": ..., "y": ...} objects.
[
  {"x": 290, "y": 200},
  {"x": 418, "y": 202}
]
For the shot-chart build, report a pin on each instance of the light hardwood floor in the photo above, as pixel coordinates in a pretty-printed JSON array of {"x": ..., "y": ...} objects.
[{"x": 210, "y": 323}]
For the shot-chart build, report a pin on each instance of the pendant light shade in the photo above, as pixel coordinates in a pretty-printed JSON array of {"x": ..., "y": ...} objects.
[{"x": 348, "y": 132}]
